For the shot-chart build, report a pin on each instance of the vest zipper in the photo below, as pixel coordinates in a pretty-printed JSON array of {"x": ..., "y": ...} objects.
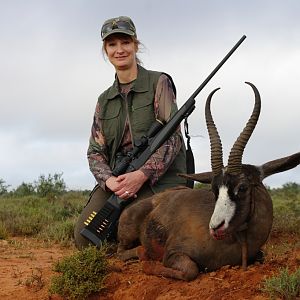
[
  {"x": 129, "y": 124},
  {"x": 127, "y": 118}
]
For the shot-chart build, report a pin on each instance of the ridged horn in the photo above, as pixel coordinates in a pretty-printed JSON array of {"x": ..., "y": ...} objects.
[
  {"x": 236, "y": 153},
  {"x": 216, "y": 152}
]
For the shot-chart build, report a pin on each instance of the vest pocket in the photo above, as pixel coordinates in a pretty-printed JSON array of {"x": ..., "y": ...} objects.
[
  {"x": 142, "y": 116},
  {"x": 110, "y": 111},
  {"x": 141, "y": 103},
  {"x": 110, "y": 123}
]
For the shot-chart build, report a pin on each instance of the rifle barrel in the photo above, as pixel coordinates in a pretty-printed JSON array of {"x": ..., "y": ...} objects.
[
  {"x": 209, "y": 77},
  {"x": 182, "y": 113}
]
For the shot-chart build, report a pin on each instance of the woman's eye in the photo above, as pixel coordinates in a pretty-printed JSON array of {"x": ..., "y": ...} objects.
[{"x": 111, "y": 44}]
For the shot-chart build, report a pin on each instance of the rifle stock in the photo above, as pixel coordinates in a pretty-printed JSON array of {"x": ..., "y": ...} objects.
[{"x": 100, "y": 225}]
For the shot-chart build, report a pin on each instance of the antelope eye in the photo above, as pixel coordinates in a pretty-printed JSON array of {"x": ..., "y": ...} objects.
[{"x": 242, "y": 188}]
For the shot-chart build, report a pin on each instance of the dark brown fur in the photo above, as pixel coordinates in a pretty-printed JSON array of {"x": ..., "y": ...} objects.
[
  {"x": 173, "y": 226},
  {"x": 180, "y": 227}
]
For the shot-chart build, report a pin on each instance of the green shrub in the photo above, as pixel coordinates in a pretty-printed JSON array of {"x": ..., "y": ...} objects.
[
  {"x": 51, "y": 186},
  {"x": 81, "y": 274},
  {"x": 285, "y": 285},
  {"x": 3, "y": 187},
  {"x": 25, "y": 189}
]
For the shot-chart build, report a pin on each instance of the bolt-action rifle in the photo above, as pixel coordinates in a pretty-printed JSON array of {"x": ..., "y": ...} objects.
[{"x": 100, "y": 225}]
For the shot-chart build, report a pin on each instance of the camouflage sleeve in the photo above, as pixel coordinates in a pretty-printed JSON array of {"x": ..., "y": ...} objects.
[
  {"x": 97, "y": 152},
  {"x": 165, "y": 107}
]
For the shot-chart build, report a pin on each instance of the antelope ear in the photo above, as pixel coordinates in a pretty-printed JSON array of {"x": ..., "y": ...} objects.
[
  {"x": 280, "y": 165},
  {"x": 205, "y": 177}
]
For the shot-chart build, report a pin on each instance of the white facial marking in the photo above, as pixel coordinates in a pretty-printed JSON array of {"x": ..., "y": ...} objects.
[{"x": 224, "y": 209}]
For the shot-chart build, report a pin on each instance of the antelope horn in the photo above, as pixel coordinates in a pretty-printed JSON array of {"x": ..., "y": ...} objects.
[
  {"x": 236, "y": 153},
  {"x": 215, "y": 141},
  {"x": 204, "y": 177}
]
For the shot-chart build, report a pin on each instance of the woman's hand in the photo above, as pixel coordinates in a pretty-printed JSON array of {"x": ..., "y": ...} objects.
[
  {"x": 129, "y": 184},
  {"x": 112, "y": 184}
]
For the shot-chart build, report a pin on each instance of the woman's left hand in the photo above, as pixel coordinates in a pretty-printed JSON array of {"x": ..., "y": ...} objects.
[{"x": 130, "y": 183}]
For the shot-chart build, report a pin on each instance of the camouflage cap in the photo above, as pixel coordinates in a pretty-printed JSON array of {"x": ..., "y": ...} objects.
[{"x": 120, "y": 24}]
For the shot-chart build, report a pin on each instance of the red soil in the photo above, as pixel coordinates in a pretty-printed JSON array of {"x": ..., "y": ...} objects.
[{"x": 26, "y": 269}]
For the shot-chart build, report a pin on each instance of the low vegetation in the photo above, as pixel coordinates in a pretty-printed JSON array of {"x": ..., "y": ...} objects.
[
  {"x": 47, "y": 211},
  {"x": 286, "y": 202},
  {"x": 44, "y": 209},
  {"x": 80, "y": 274},
  {"x": 285, "y": 285}
]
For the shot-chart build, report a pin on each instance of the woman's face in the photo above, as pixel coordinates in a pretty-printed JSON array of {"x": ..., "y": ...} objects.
[{"x": 121, "y": 51}]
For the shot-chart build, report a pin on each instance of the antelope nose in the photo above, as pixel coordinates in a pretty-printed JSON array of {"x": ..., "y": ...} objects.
[
  {"x": 220, "y": 226},
  {"x": 218, "y": 232}
]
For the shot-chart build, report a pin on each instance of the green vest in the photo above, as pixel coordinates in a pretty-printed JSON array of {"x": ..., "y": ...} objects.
[{"x": 140, "y": 110}]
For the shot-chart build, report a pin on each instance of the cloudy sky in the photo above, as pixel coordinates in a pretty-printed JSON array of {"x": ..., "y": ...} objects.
[{"x": 52, "y": 71}]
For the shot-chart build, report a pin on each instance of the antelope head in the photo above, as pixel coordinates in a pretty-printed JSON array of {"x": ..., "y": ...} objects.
[
  {"x": 230, "y": 185},
  {"x": 233, "y": 186}
]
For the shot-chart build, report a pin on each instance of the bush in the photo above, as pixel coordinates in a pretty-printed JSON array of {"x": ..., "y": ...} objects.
[
  {"x": 3, "y": 187},
  {"x": 25, "y": 189},
  {"x": 51, "y": 186},
  {"x": 81, "y": 274},
  {"x": 286, "y": 285}
]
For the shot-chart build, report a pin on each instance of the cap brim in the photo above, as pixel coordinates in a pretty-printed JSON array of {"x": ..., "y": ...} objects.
[{"x": 117, "y": 30}]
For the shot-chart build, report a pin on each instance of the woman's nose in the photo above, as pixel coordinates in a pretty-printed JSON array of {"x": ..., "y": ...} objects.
[{"x": 120, "y": 48}]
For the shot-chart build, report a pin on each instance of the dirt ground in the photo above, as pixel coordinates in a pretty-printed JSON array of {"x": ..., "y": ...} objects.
[{"x": 26, "y": 269}]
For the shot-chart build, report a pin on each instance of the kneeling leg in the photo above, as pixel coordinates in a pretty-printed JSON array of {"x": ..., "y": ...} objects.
[{"x": 178, "y": 266}]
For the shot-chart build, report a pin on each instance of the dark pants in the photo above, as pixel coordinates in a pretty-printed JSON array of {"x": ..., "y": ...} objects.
[{"x": 96, "y": 201}]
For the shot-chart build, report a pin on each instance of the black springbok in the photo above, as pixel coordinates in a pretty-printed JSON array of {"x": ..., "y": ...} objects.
[{"x": 183, "y": 231}]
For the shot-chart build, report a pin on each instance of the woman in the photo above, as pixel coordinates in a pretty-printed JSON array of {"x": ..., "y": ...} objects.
[{"x": 124, "y": 113}]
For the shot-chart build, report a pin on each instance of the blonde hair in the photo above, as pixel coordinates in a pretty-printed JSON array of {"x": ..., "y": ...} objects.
[{"x": 137, "y": 43}]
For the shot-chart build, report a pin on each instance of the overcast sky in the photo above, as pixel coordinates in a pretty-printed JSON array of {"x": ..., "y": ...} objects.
[{"x": 52, "y": 72}]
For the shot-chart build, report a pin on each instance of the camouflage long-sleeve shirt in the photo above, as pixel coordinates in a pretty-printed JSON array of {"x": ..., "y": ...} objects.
[{"x": 160, "y": 161}]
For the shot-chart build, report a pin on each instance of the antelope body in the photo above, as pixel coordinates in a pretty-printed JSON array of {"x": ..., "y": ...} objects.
[{"x": 188, "y": 230}]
